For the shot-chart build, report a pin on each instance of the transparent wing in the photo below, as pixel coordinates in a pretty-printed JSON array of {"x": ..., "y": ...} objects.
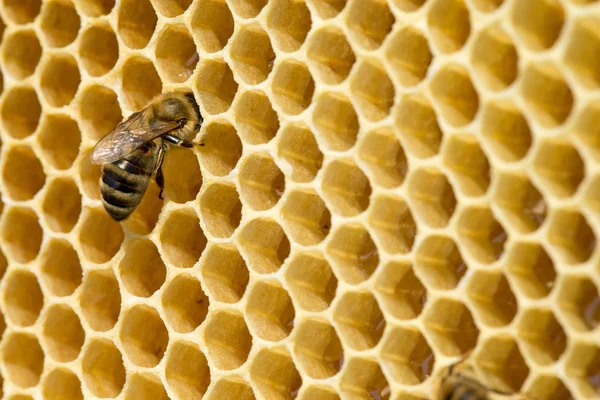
[{"x": 130, "y": 135}]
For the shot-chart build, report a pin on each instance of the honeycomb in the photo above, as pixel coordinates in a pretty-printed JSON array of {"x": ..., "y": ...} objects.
[{"x": 381, "y": 188}]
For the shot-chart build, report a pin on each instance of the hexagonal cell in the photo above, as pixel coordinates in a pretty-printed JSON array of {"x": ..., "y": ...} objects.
[
  {"x": 363, "y": 379},
  {"x": 581, "y": 55},
  {"x": 449, "y": 23},
  {"x": 482, "y": 237},
  {"x": 542, "y": 336},
  {"x": 144, "y": 336},
  {"x": 98, "y": 49},
  {"x": 409, "y": 53},
  {"x": 468, "y": 164},
  {"x": 251, "y": 53},
  {"x": 289, "y": 22},
  {"x": 255, "y": 119},
  {"x": 572, "y": 237},
  {"x": 417, "y": 125},
  {"x": 318, "y": 350},
  {"x": 384, "y": 157},
  {"x": 102, "y": 367},
  {"x": 95, "y": 8},
  {"x": 578, "y": 301},
  {"x": 23, "y": 359},
  {"x": 520, "y": 202},
  {"x": 549, "y": 387},
  {"x": 227, "y": 339},
  {"x": 586, "y": 128},
  {"x": 373, "y": 90},
  {"x": 175, "y": 53},
  {"x": 224, "y": 272},
  {"x": 495, "y": 58},
  {"x": 336, "y": 120},
  {"x": 172, "y": 8},
  {"x": 559, "y": 166},
  {"x": 142, "y": 270},
  {"x": 502, "y": 364},
  {"x": 264, "y": 245},
  {"x": 298, "y": 148},
  {"x": 136, "y": 22},
  {"x": 370, "y": 22},
  {"x": 353, "y": 253},
  {"x": 21, "y": 52},
  {"x": 61, "y": 383},
  {"x": 21, "y": 11},
  {"x": 431, "y": 196},
  {"x": 450, "y": 327},
  {"x": 145, "y": 387},
  {"x": 346, "y": 188},
  {"x": 222, "y": 148},
  {"x": 455, "y": 95},
  {"x": 140, "y": 81},
  {"x": 330, "y": 55},
  {"x": 100, "y": 299},
  {"x": 61, "y": 205},
  {"x": 293, "y": 86},
  {"x": 60, "y": 79},
  {"x": 99, "y": 235},
  {"x": 99, "y": 110},
  {"x": 359, "y": 320},
  {"x": 23, "y": 298},
  {"x": 59, "y": 138},
  {"x": 274, "y": 374},
  {"x": 538, "y": 23},
  {"x": 184, "y": 303},
  {"x": 407, "y": 356},
  {"x": 400, "y": 292},
  {"x": 216, "y": 86},
  {"x": 269, "y": 311},
  {"x": 546, "y": 94},
  {"x": 21, "y": 234},
  {"x": 212, "y": 25},
  {"x": 492, "y": 297},
  {"x": 311, "y": 282},
  {"x": 181, "y": 238},
  {"x": 305, "y": 217},
  {"x": 60, "y": 23},
  {"x": 181, "y": 187},
  {"x": 328, "y": 8},
  {"x": 63, "y": 335},
  {"x": 231, "y": 387},
  {"x": 221, "y": 209},
  {"x": 187, "y": 371},
  {"x": 20, "y": 111},
  {"x": 438, "y": 262},
  {"x": 531, "y": 268},
  {"x": 583, "y": 366},
  {"x": 60, "y": 268},
  {"x": 261, "y": 181},
  {"x": 393, "y": 224},
  {"x": 22, "y": 173},
  {"x": 507, "y": 131}
]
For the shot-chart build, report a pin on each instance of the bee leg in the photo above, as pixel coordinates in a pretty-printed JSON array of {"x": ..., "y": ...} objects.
[
  {"x": 178, "y": 141},
  {"x": 159, "y": 177}
]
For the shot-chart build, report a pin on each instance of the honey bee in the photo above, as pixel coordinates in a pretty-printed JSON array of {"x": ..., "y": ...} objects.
[{"x": 134, "y": 151}]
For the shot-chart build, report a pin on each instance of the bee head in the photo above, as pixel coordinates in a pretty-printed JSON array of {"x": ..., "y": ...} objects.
[{"x": 173, "y": 109}]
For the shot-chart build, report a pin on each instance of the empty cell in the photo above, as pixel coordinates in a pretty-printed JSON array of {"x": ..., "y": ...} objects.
[
  {"x": 546, "y": 94},
  {"x": 182, "y": 175},
  {"x": 438, "y": 262},
  {"x": 63, "y": 335},
  {"x": 495, "y": 58},
  {"x": 293, "y": 86},
  {"x": 227, "y": 339},
  {"x": 142, "y": 270},
  {"x": 582, "y": 52},
  {"x": 264, "y": 245},
  {"x": 22, "y": 173},
  {"x": 99, "y": 110},
  {"x": 571, "y": 236},
  {"x": 61, "y": 205},
  {"x": 538, "y": 23},
  {"x": 221, "y": 209},
  {"x": 359, "y": 320},
  {"x": 328, "y": 8},
  {"x": 103, "y": 370},
  {"x": 89, "y": 175},
  {"x": 450, "y": 24},
  {"x": 393, "y": 224},
  {"x": 587, "y": 130},
  {"x": 531, "y": 268},
  {"x": 311, "y": 281},
  {"x": 251, "y": 53},
  {"x": 450, "y": 327},
  {"x": 373, "y": 90},
  {"x": 224, "y": 273},
  {"x": 542, "y": 336},
  {"x": 492, "y": 298},
  {"x": 145, "y": 387},
  {"x": 98, "y": 49},
  {"x": 363, "y": 379},
  {"x": 346, "y": 188},
  {"x": 140, "y": 82},
  {"x": 298, "y": 150},
  {"x": 172, "y": 8},
  {"x": 353, "y": 253},
  {"x": 520, "y": 202},
  {"x": 212, "y": 25},
  {"x": 21, "y": 52},
  {"x": 306, "y": 217},
  {"x": 261, "y": 182},
  {"x": 22, "y": 11},
  {"x": 409, "y": 53},
  {"x": 274, "y": 374},
  {"x": 549, "y": 387},
  {"x": 289, "y": 22},
  {"x": 559, "y": 166},
  {"x": 222, "y": 148},
  {"x": 417, "y": 125},
  {"x": 187, "y": 371},
  {"x": 482, "y": 237},
  {"x": 216, "y": 86},
  {"x": 431, "y": 196},
  {"x": 455, "y": 95},
  {"x": 23, "y": 298},
  {"x": 60, "y": 268},
  {"x": 400, "y": 292},
  {"x": 21, "y": 234},
  {"x": 369, "y": 21},
  {"x": 318, "y": 349},
  {"x": 407, "y": 356},
  {"x": 579, "y": 301},
  {"x": 181, "y": 238},
  {"x": 184, "y": 303},
  {"x": 136, "y": 22},
  {"x": 59, "y": 138},
  {"x": 330, "y": 55},
  {"x": 99, "y": 235},
  {"x": 255, "y": 120},
  {"x": 176, "y": 55},
  {"x": 23, "y": 359},
  {"x": 583, "y": 366},
  {"x": 269, "y": 311},
  {"x": 144, "y": 336},
  {"x": 384, "y": 157},
  {"x": 247, "y": 8},
  {"x": 468, "y": 164},
  {"x": 100, "y": 300},
  {"x": 95, "y": 8},
  {"x": 60, "y": 79},
  {"x": 60, "y": 384},
  {"x": 60, "y": 23},
  {"x": 231, "y": 387},
  {"x": 506, "y": 130},
  {"x": 502, "y": 364},
  {"x": 20, "y": 111}
]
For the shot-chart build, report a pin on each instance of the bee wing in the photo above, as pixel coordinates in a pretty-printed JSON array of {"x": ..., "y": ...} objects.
[{"x": 128, "y": 136}]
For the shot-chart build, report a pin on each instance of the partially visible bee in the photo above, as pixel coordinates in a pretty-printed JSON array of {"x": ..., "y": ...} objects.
[{"x": 135, "y": 150}]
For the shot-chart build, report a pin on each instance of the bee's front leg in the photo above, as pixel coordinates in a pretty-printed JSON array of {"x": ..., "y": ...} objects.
[
  {"x": 178, "y": 141},
  {"x": 159, "y": 177}
]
